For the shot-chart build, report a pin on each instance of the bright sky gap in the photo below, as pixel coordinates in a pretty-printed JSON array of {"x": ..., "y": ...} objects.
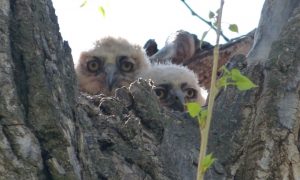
[{"x": 140, "y": 20}]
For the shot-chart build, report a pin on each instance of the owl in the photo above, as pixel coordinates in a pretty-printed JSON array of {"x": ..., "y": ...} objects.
[
  {"x": 175, "y": 85},
  {"x": 110, "y": 64}
]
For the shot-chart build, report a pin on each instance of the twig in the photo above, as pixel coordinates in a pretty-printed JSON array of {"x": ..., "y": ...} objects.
[
  {"x": 212, "y": 95},
  {"x": 207, "y": 22}
]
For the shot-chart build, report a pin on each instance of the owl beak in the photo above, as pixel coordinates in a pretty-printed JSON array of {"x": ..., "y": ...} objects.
[
  {"x": 110, "y": 76},
  {"x": 178, "y": 103}
]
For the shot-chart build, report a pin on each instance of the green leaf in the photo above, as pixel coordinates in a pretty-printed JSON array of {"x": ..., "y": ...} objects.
[
  {"x": 207, "y": 162},
  {"x": 233, "y": 28},
  {"x": 242, "y": 82},
  {"x": 211, "y": 15},
  {"x": 226, "y": 75},
  {"x": 101, "y": 10},
  {"x": 194, "y": 109},
  {"x": 223, "y": 81},
  {"x": 84, "y": 3},
  {"x": 245, "y": 85},
  {"x": 236, "y": 75},
  {"x": 202, "y": 118}
]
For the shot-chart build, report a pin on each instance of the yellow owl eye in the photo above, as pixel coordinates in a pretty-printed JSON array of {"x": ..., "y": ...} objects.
[
  {"x": 191, "y": 93},
  {"x": 125, "y": 64},
  {"x": 94, "y": 65},
  {"x": 160, "y": 92}
]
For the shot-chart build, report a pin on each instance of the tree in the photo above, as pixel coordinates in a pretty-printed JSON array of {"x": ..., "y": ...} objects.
[
  {"x": 255, "y": 134},
  {"x": 51, "y": 131}
]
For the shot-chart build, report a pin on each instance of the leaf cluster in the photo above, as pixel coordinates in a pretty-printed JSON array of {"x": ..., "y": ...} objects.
[
  {"x": 213, "y": 25},
  {"x": 234, "y": 77},
  {"x": 100, "y": 7}
]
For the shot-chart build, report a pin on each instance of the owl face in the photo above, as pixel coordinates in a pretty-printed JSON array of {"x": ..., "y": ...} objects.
[
  {"x": 113, "y": 63},
  {"x": 175, "y": 96},
  {"x": 175, "y": 85}
]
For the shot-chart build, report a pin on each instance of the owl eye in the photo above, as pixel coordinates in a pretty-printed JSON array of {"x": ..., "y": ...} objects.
[
  {"x": 94, "y": 65},
  {"x": 160, "y": 92},
  {"x": 190, "y": 93},
  {"x": 125, "y": 64}
]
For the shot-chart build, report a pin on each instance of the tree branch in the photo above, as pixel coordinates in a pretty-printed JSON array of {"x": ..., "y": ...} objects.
[{"x": 202, "y": 19}]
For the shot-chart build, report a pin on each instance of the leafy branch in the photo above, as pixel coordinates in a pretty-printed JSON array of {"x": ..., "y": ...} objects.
[
  {"x": 212, "y": 95},
  {"x": 233, "y": 77},
  {"x": 210, "y": 24}
]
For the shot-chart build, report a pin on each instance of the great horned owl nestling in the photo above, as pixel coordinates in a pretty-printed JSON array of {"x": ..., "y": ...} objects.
[
  {"x": 175, "y": 85},
  {"x": 112, "y": 63}
]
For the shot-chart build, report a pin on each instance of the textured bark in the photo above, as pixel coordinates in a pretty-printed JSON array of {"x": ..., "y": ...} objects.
[
  {"x": 130, "y": 136},
  {"x": 37, "y": 95},
  {"x": 255, "y": 134},
  {"x": 273, "y": 18},
  {"x": 48, "y": 130}
]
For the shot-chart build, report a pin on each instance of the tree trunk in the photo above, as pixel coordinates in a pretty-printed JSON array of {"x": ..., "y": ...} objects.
[
  {"x": 255, "y": 134},
  {"x": 38, "y": 94},
  {"x": 51, "y": 131}
]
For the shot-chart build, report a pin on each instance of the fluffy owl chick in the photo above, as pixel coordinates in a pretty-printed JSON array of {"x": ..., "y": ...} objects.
[
  {"x": 175, "y": 85},
  {"x": 111, "y": 64}
]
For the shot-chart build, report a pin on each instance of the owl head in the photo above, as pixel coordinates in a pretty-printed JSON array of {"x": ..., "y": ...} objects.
[
  {"x": 112, "y": 63},
  {"x": 175, "y": 85}
]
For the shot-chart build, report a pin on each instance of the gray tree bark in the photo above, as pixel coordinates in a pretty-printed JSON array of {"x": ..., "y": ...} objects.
[
  {"x": 48, "y": 130},
  {"x": 51, "y": 131},
  {"x": 255, "y": 134}
]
